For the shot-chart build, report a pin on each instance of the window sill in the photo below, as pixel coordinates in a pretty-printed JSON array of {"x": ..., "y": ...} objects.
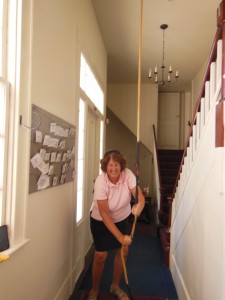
[{"x": 15, "y": 248}]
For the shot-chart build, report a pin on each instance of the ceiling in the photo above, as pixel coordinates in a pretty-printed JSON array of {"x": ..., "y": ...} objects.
[{"x": 188, "y": 38}]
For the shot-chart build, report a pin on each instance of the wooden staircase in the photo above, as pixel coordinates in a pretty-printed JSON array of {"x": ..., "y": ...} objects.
[{"x": 169, "y": 164}]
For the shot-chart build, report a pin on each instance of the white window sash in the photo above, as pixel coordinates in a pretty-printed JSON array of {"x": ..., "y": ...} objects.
[{"x": 4, "y": 133}]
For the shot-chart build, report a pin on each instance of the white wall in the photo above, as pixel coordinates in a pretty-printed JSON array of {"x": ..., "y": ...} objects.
[
  {"x": 53, "y": 32},
  {"x": 122, "y": 100},
  {"x": 198, "y": 232},
  {"x": 197, "y": 256}
]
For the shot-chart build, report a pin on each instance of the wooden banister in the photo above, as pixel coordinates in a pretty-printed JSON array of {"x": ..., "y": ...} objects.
[{"x": 219, "y": 139}]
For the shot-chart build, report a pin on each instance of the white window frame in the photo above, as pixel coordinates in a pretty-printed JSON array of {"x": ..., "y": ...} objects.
[
  {"x": 4, "y": 132},
  {"x": 99, "y": 108},
  {"x": 80, "y": 160},
  {"x": 5, "y": 114},
  {"x": 101, "y": 142}
]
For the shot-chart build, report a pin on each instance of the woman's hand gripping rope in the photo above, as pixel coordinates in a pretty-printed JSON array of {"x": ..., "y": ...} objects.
[
  {"x": 123, "y": 259},
  {"x": 136, "y": 209}
]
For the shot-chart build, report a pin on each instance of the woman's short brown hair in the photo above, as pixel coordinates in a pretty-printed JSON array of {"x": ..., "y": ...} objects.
[{"x": 117, "y": 156}]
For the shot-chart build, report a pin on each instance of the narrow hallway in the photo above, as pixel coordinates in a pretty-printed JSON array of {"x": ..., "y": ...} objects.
[{"x": 148, "y": 277}]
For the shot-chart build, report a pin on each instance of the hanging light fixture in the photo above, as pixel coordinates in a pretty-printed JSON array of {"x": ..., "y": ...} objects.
[{"x": 166, "y": 77}]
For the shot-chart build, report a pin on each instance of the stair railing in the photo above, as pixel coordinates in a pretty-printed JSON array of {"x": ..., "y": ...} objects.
[
  {"x": 209, "y": 93},
  {"x": 159, "y": 189}
]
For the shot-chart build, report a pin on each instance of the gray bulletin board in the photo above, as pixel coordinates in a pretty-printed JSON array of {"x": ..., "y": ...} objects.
[{"x": 52, "y": 151}]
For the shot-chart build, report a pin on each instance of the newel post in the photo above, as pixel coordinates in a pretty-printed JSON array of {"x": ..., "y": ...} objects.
[{"x": 219, "y": 142}]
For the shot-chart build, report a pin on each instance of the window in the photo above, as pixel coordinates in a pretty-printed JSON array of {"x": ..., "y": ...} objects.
[
  {"x": 3, "y": 10},
  {"x": 90, "y": 85},
  {"x": 4, "y": 111},
  {"x": 94, "y": 93},
  {"x": 10, "y": 47}
]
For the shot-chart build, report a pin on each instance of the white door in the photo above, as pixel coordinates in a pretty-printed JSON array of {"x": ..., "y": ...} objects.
[
  {"x": 83, "y": 238},
  {"x": 169, "y": 121},
  {"x": 92, "y": 165}
]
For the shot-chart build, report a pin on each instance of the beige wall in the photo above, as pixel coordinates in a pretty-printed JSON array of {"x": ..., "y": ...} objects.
[
  {"x": 122, "y": 100},
  {"x": 196, "y": 85},
  {"x": 53, "y": 33},
  {"x": 118, "y": 136}
]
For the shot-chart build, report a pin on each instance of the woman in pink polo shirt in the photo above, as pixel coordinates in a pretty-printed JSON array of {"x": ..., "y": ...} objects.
[{"x": 109, "y": 218}]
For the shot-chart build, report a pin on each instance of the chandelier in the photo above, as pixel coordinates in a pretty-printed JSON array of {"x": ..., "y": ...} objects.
[{"x": 167, "y": 77}]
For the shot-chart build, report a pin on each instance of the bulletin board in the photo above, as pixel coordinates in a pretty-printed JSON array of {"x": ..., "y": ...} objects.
[{"x": 52, "y": 151}]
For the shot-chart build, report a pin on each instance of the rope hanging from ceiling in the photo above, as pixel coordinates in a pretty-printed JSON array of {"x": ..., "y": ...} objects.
[{"x": 138, "y": 140}]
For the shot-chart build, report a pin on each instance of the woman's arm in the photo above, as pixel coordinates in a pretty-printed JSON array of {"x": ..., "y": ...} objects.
[
  {"x": 138, "y": 207},
  {"x": 104, "y": 212}
]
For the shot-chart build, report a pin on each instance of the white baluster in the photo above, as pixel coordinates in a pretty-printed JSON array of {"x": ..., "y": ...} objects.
[
  {"x": 191, "y": 150},
  {"x": 206, "y": 99},
  {"x": 202, "y": 115},
  {"x": 212, "y": 88},
  {"x": 219, "y": 62},
  {"x": 194, "y": 140},
  {"x": 198, "y": 120}
]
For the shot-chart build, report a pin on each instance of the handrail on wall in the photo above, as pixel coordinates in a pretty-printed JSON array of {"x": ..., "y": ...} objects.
[
  {"x": 212, "y": 58},
  {"x": 158, "y": 170},
  {"x": 157, "y": 157}
]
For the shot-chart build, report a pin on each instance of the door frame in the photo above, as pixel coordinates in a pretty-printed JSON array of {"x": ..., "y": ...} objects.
[{"x": 82, "y": 241}]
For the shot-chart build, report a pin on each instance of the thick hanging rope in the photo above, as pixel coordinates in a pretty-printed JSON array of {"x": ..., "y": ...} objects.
[{"x": 138, "y": 142}]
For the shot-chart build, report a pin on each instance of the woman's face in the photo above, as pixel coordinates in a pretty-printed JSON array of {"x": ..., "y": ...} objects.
[{"x": 113, "y": 170}]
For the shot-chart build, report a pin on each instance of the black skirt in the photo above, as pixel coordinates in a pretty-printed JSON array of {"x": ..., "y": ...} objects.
[{"x": 104, "y": 240}]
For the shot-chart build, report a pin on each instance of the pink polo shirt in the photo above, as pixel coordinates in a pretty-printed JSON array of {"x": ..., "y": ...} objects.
[{"x": 118, "y": 195}]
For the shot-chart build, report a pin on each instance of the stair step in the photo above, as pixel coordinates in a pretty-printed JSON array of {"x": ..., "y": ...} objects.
[
  {"x": 168, "y": 180},
  {"x": 166, "y": 196},
  {"x": 170, "y": 152},
  {"x": 171, "y": 158},
  {"x": 169, "y": 165},
  {"x": 168, "y": 188},
  {"x": 169, "y": 172},
  {"x": 166, "y": 207},
  {"x": 163, "y": 218}
]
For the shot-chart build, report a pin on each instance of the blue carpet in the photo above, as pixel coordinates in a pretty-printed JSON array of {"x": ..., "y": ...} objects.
[
  {"x": 107, "y": 296},
  {"x": 147, "y": 274}
]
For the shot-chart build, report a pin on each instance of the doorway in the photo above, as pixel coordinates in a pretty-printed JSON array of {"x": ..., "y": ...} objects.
[{"x": 169, "y": 121}]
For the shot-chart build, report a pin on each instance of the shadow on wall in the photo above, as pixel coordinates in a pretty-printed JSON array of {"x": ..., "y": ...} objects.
[{"x": 118, "y": 136}]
